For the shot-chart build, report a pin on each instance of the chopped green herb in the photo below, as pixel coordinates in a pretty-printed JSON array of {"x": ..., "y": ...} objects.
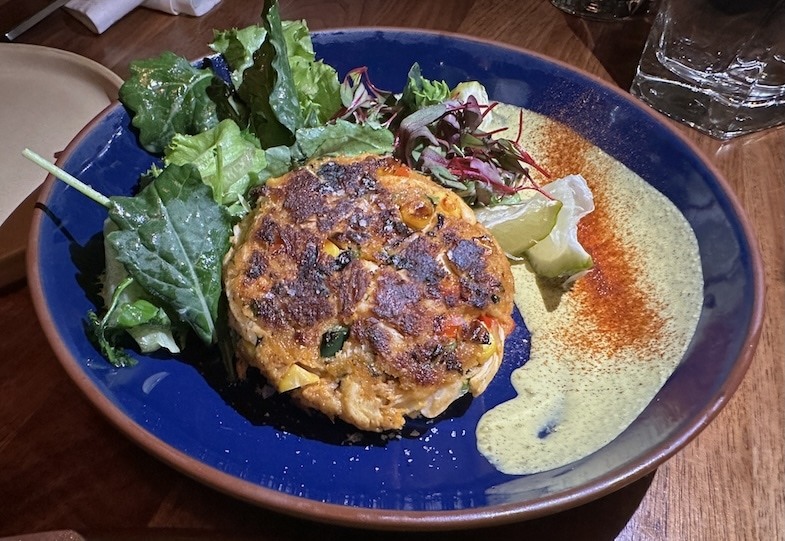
[{"x": 333, "y": 340}]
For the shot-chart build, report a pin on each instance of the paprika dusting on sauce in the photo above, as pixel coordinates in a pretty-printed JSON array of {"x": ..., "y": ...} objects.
[
  {"x": 615, "y": 307},
  {"x": 602, "y": 349},
  {"x": 623, "y": 313}
]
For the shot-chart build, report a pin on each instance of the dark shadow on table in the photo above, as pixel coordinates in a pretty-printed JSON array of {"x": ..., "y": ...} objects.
[{"x": 617, "y": 45}]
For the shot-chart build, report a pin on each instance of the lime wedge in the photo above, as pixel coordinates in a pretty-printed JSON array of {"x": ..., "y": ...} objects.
[
  {"x": 520, "y": 226},
  {"x": 560, "y": 255}
]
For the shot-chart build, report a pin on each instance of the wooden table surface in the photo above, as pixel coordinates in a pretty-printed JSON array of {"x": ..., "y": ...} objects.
[{"x": 63, "y": 466}]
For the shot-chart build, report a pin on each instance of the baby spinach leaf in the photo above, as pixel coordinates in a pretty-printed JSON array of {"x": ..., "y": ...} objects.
[
  {"x": 171, "y": 238},
  {"x": 105, "y": 335},
  {"x": 168, "y": 95},
  {"x": 131, "y": 308},
  {"x": 228, "y": 106},
  {"x": 237, "y": 47}
]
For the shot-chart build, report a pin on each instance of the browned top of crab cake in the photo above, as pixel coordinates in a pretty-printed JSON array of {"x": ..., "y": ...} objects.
[{"x": 368, "y": 292}]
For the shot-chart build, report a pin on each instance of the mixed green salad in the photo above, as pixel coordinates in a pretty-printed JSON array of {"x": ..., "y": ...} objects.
[{"x": 260, "y": 107}]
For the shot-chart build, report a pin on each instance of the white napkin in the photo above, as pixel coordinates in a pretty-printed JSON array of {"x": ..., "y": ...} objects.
[
  {"x": 98, "y": 15},
  {"x": 195, "y": 8}
]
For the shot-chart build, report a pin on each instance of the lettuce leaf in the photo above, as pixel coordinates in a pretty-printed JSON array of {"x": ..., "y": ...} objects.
[
  {"x": 316, "y": 83},
  {"x": 279, "y": 161},
  {"x": 277, "y": 86},
  {"x": 268, "y": 86},
  {"x": 229, "y": 161},
  {"x": 420, "y": 92},
  {"x": 343, "y": 137}
]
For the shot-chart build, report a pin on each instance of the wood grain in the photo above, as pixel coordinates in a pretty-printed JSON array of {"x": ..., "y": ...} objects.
[{"x": 63, "y": 466}]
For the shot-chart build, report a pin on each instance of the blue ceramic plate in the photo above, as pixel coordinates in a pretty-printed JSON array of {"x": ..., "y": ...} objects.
[{"x": 433, "y": 476}]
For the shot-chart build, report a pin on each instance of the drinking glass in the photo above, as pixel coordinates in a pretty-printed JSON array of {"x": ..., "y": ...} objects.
[
  {"x": 716, "y": 65},
  {"x": 604, "y": 10}
]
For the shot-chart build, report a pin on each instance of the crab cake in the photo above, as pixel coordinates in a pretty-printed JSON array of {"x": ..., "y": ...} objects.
[{"x": 368, "y": 292}]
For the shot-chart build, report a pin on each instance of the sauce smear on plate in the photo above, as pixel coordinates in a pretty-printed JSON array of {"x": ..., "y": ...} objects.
[{"x": 601, "y": 350}]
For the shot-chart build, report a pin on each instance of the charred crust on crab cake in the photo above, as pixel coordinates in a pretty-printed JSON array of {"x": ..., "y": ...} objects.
[{"x": 368, "y": 292}]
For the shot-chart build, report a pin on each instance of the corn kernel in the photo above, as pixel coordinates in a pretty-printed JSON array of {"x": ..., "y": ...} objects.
[
  {"x": 296, "y": 376},
  {"x": 331, "y": 249},
  {"x": 449, "y": 207},
  {"x": 488, "y": 349},
  {"x": 417, "y": 213}
]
